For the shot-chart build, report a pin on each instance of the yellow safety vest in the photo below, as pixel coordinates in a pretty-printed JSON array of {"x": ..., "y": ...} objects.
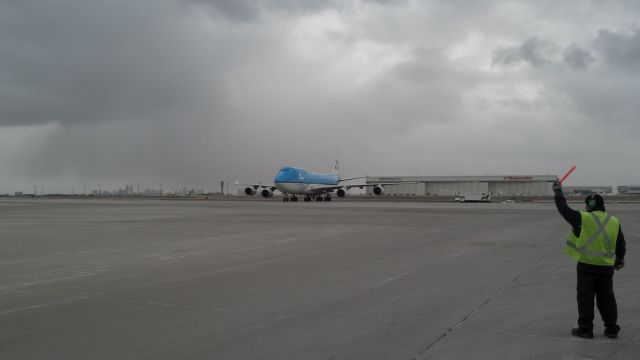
[{"x": 597, "y": 242}]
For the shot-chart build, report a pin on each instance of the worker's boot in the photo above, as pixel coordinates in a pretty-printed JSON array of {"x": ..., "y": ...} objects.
[
  {"x": 583, "y": 333},
  {"x": 612, "y": 331}
]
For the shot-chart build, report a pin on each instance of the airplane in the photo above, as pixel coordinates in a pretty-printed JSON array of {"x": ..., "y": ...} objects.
[{"x": 294, "y": 181}]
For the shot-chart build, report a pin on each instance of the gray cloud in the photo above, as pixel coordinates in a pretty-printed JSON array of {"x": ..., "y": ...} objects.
[
  {"x": 608, "y": 98},
  {"x": 576, "y": 57},
  {"x": 541, "y": 53},
  {"x": 533, "y": 51},
  {"x": 251, "y": 10},
  {"x": 620, "y": 49},
  {"x": 388, "y": 2},
  {"x": 237, "y": 10},
  {"x": 608, "y": 101}
]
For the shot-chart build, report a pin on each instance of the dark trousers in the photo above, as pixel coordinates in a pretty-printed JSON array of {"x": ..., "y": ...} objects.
[{"x": 596, "y": 281}]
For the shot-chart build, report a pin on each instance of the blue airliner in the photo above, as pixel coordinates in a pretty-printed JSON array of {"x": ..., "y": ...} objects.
[{"x": 293, "y": 181}]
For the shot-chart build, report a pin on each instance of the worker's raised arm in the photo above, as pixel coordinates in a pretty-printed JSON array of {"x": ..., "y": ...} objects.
[{"x": 573, "y": 217}]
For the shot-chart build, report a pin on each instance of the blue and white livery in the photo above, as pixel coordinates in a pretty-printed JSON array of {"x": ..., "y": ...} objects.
[{"x": 294, "y": 182}]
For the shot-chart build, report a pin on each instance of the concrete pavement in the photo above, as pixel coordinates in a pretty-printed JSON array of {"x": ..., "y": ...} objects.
[{"x": 154, "y": 279}]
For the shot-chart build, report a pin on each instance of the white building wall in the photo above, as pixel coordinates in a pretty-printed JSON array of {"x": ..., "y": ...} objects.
[
  {"x": 520, "y": 188},
  {"x": 404, "y": 189},
  {"x": 454, "y": 185}
]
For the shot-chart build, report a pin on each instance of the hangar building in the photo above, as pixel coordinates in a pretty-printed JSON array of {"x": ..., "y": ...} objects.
[{"x": 456, "y": 185}]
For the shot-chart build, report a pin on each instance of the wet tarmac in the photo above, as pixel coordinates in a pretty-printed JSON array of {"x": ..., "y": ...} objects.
[{"x": 157, "y": 279}]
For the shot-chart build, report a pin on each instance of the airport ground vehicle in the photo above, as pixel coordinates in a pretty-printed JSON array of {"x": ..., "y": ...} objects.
[{"x": 473, "y": 197}]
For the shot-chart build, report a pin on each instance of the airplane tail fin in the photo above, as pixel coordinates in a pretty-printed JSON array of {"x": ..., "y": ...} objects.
[{"x": 336, "y": 168}]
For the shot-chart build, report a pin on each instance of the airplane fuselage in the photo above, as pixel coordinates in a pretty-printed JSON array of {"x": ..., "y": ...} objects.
[{"x": 296, "y": 181}]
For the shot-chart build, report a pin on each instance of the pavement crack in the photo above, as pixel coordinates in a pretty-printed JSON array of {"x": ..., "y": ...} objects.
[{"x": 482, "y": 305}]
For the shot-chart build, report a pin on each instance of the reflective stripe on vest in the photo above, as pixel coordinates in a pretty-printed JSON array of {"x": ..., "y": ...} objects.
[
  {"x": 589, "y": 251},
  {"x": 594, "y": 236}
]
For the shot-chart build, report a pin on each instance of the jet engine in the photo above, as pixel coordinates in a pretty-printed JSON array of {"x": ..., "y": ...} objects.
[
  {"x": 341, "y": 192},
  {"x": 378, "y": 190},
  {"x": 267, "y": 193},
  {"x": 249, "y": 190}
]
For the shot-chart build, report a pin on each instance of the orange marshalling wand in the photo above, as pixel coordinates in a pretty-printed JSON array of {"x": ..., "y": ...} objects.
[{"x": 567, "y": 174}]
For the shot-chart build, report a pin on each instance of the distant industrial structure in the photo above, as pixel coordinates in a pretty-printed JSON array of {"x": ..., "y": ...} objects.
[
  {"x": 456, "y": 185},
  {"x": 498, "y": 185},
  {"x": 585, "y": 190},
  {"x": 628, "y": 190}
]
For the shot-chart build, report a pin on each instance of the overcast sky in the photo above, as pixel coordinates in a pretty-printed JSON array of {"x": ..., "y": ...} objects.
[{"x": 119, "y": 92}]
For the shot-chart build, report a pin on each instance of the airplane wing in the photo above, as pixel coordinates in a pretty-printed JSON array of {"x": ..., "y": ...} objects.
[
  {"x": 361, "y": 186},
  {"x": 257, "y": 186},
  {"x": 353, "y": 178}
]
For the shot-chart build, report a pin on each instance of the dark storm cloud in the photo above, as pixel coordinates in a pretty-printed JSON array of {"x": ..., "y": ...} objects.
[
  {"x": 82, "y": 62},
  {"x": 620, "y": 49},
  {"x": 251, "y": 10}
]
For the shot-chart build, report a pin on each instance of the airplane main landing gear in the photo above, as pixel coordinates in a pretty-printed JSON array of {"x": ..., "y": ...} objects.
[
  {"x": 307, "y": 198},
  {"x": 287, "y": 198}
]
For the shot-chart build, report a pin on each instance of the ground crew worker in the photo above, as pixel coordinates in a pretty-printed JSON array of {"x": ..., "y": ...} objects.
[{"x": 594, "y": 237}]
